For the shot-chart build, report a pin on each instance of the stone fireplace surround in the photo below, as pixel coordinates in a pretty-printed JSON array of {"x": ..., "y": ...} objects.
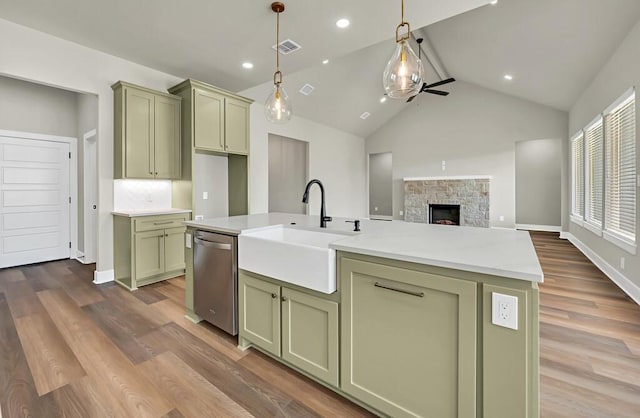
[{"x": 470, "y": 192}]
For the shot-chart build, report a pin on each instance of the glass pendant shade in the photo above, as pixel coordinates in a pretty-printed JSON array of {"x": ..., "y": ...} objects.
[
  {"x": 277, "y": 107},
  {"x": 402, "y": 77}
]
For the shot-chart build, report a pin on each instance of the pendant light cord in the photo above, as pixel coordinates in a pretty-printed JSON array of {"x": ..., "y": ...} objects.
[
  {"x": 277, "y": 76},
  {"x": 402, "y": 25}
]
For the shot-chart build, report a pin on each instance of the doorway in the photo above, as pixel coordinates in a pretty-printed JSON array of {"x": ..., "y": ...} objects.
[
  {"x": 288, "y": 174},
  {"x": 90, "y": 201}
]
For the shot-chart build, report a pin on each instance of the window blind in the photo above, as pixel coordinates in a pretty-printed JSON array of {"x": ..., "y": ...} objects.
[
  {"x": 594, "y": 175},
  {"x": 620, "y": 162},
  {"x": 577, "y": 157}
]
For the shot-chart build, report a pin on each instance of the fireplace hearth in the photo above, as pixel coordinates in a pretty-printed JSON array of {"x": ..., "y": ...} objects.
[{"x": 444, "y": 214}]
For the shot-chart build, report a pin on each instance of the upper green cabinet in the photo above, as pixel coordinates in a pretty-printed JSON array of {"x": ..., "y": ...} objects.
[
  {"x": 146, "y": 133},
  {"x": 220, "y": 119}
]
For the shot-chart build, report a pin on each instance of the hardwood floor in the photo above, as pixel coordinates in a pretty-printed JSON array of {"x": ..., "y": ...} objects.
[
  {"x": 72, "y": 349},
  {"x": 589, "y": 337}
]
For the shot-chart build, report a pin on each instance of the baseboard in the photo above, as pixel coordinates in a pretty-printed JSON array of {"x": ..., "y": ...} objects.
[
  {"x": 104, "y": 276},
  {"x": 623, "y": 282},
  {"x": 565, "y": 235},
  {"x": 543, "y": 228}
]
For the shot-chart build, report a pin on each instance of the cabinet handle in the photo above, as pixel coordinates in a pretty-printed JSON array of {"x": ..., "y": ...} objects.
[
  {"x": 284, "y": 299},
  {"x": 420, "y": 295},
  {"x": 156, "y": 173},
  {"x": 273, "y": 296},
  {"x": 163, "y": 223},
  {"x": 166, "y": 235}
]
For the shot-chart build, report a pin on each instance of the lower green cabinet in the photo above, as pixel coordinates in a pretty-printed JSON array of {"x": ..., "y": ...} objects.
[
  {"x": 300, "y": 328},
  {"x": 408, "y": 340},
  {"x": 148, "y": 249}
]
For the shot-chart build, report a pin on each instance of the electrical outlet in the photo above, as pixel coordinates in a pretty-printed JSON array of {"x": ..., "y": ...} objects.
[
  {"x": 205, "y": 195},
  {"x": 401, "y": 213},
  {"x": 199, "y": 217},
  {"x": 375, "y": 209},
  {"x": 504, "y": 310},
  {"x": 444, "y": 165},
  {"x": 501, "y": 218},
  {"x": 622, "y": 263},
  {"x": 187, "y": 240}
]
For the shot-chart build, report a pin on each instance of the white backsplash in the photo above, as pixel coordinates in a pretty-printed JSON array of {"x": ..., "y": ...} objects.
[{"x": 141, "y": 194}]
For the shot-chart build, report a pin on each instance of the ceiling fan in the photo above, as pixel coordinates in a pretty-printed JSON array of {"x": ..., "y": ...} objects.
[{"x": 428, "y": 88}]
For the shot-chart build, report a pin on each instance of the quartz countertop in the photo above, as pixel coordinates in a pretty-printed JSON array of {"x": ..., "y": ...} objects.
[
  {"x": 149, "y": 212},
  {"x": 500, "y": 252}
]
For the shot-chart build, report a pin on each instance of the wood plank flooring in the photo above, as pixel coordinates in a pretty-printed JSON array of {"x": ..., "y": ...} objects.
[
  {"x": 589, "y": 337},
  {"x": 72, "y": 349}
]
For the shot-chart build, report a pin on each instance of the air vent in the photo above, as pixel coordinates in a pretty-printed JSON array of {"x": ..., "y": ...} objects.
[
  {"x": 287, "y": 46},
  {"x": 306, "y": 89},
  {"x": 365, "y": 115}
]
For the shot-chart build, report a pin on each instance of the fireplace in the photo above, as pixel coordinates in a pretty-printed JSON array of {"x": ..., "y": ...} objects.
[{"x": 444, "y": 214}]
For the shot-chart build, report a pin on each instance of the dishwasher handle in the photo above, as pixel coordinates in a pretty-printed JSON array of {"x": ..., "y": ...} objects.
[{"x": 209, "y": 244}]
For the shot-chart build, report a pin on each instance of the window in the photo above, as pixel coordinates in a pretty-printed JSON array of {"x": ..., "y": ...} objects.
[
  {"x": 620, "y": 169},
  {"x": 594, "y": 175},
  {"x": 577, "y": 175}
]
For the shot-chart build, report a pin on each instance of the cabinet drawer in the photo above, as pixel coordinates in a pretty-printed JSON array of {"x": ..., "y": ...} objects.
[{"x": 149, "y": 223}]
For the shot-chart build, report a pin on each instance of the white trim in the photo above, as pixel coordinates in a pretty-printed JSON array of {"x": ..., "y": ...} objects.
[
  {"x": 598, "y": 120},
  {"x": 380, "y": 217},
  {"x": 626, "y": 97},
  {"x": 502, "y": 227},
  {"x": 73, "y": 177},
  {"x": 544, "y": 228},
  {"x": 104, "y": 276},
  {"x": 448, "y": 178},
  {"x": 565, "y": 235},
  {"x": 576, "y": 219},
  {"x": 621, "y": 242},
  {"x": 623, "y": 282},
  {"x": 90, "y": 232},
  {"x": 89, "y": 134},
  {"x": 596, "y": 229}
]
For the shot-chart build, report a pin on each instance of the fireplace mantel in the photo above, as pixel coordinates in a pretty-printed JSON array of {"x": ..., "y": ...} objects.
[{"x": 448, "y": 178}]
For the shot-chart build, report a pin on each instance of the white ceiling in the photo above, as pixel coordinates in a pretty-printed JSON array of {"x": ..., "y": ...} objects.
[{"x": 553, "y": 48}]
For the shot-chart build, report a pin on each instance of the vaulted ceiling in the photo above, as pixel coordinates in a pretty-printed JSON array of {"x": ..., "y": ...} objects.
[{"x": 552, "y": 48}]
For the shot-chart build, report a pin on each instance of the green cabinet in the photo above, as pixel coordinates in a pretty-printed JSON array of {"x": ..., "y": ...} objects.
[
  {"x": 148, "y": 249},
  {"x": 299, "y": 327},
  {"x": 408, "y": 340},
  {"x": 219, "y": 119},
  {"x": 147, "y": 133}
]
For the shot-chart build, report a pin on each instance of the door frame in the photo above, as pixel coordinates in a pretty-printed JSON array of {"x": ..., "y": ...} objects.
[
  {"x": 90, "y": 173},
  {"x": 73, "y": 177}
]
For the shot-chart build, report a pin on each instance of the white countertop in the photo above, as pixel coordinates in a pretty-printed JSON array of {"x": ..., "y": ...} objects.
[
  {"x": 500, "y": 252},
  {"x": 149, "y": 212}
]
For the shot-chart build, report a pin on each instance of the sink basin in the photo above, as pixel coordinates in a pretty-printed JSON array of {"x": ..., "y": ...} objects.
[{"x": 296, "y": 256}]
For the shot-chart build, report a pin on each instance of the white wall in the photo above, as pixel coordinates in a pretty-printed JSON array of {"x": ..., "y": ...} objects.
[
  {"x": 538, "y": 182},
  {"x": 336, "y": 158},
  {"x": 30, "y": 107},
  {"x": 474, "y": 130},
  {"x": 618, "y": 74},
  {"x": 39, "y": 57}
]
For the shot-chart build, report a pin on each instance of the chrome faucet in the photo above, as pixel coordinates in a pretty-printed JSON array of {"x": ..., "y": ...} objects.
[{"x": 305, "y": 199}]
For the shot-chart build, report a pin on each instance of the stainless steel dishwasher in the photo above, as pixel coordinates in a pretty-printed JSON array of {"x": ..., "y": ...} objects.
[{"x": 215, "y": 279}]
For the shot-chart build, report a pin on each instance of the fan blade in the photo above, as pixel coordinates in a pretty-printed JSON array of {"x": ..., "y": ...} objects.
[
  {"x": 439, "y": 83},
  {"x": 411, "y": 98},
  {"x": 438, "y": 92}
]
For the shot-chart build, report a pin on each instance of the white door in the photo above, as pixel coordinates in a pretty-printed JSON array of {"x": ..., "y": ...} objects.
[
  {"x": 90, "y": 198},
  {"x": 34, "y": 201}
]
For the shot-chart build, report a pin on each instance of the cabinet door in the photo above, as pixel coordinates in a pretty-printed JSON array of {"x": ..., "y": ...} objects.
[
  {"x": 139, "y": 133},
  {"x": 208, "y": 120},
  {"x": 149, "y": 254},
  {"x": 174, "y": 249},
  {"x": 408, "y": 340},
  {"x": 310, "y": 334},
  {"x": 236, "y": 126},
  {"x": 167, "y": 138},
  {"x": 259, "y": 313}
]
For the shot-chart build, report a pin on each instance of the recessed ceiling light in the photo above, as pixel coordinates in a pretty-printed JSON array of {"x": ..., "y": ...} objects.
[
  {"x": 383, "y": 99},
  {"x": 325, "y": 62},
  {"x": 365, "y": 115},
  {"x": 342, "y": 23},
  {"x": 508, "y": 77},
  {"x": 247, "y": 65},
  {"x": 493, "y": 2}
]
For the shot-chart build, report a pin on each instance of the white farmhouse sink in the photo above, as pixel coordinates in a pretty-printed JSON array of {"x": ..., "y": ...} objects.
[{"x": 291, "y": 255}]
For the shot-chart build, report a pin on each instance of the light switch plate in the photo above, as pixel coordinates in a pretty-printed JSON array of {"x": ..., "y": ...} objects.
[
  {"x": 187, "y": 240},
  {"x": 504, "y": 310},
  {"x": 205, "y": 195}
]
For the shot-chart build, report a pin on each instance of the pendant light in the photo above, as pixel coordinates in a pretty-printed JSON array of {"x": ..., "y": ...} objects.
[
  {"x": 402, "y": 77},
  {"x": 277, "y": 107}
]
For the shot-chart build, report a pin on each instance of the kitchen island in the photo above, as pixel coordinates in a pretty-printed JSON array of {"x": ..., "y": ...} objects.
[{"x": 409, "y": 330}]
